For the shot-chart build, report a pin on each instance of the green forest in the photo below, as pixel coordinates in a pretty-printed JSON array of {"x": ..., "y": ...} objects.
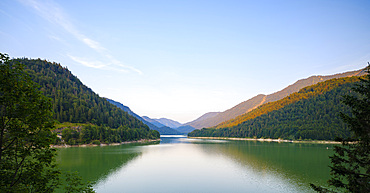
[
  {"x": 73, "y": 102},
  {"x": 310, "y": 114},
  {"x": 93, "y": 134}
]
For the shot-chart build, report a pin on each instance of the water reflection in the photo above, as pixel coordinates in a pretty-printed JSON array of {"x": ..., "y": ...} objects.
[
  {"x": 165, "y": 139},
  {"x": 169, "y": 139},
  {"x": 297, "y": 164},
  {"x": 96, "y": 163},
  {"x": 179, "y": 164}
]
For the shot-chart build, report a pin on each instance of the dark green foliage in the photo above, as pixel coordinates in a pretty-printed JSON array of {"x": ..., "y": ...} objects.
[
  {"x": 246, "y": 106},
  {"x": 313, "y": 116},
  {"x": 304, "y": 93},
  {"x": 74, "y": 184},
  {"x": 96, "y": 142},
  {"x": 94, "y": 134},
  {"x": 27, "y": 163},
  {"x": 350, "y": 168},
  {"x": 26, "y": 159},
  {"x": 74, "y": 102}
]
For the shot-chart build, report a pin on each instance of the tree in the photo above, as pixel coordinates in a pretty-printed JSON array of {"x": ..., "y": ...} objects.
[
  {"x": 27, "y": 163},
  {"x": 350, "y": 168},
  {"x": 26, "y": 159},
  {"x": 75, "y": 185}
]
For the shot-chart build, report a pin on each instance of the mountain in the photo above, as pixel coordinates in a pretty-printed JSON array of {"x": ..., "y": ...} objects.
[
  {"x": 311, "y": 113},
  {"x": 185, "y": 129},
  {"x": 239, "y": 109},
  {"x": 168, "y": 131},
  {"x": 124, "y": 108},
  {"x": 177, "y": 128},
  {"x": 197, "y": 123},
  {"x": 153, "y": 121},
  {"x": 258, "y": 100},
  {"x": 168, "y": 122},
  {"x": 130, "y": 112},
  {"x": 308, "y": 82},
  {"x": 163, "y": 122},
  {"x": 74, "y": 102}
]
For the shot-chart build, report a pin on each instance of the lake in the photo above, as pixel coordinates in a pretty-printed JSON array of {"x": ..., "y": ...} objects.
[{"x": 179, "y": 164}]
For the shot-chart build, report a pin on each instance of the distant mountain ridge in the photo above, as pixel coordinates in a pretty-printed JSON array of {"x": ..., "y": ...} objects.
[
  {"x": 185, "y": 129},
  {"x": 130, "y": 112},
  {"x": 197, "y": 123},
  {"x": 168, "y": 131},
  {"x": 261, "y": 99},
  {"x": 155, "y": 124},
  {"x": 123, "y": 107},
  {"x": 169, "y": 126},
  {"x": 152, "y": 121},
  {"x": 168, "y": 122}
]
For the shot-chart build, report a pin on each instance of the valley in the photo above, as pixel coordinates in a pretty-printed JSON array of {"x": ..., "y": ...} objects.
[
  {"x": 252, "y": 118},
  {"x": 184, "y": 96}
]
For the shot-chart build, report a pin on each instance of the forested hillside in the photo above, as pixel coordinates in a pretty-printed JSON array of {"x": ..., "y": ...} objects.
[
  {"x": 261, "y": 99},
  {"x": 76, "y": 103},
  {"x": 311, "y": 113}
]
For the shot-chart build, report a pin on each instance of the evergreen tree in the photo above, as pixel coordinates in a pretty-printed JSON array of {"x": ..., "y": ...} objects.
[
  {"x": 27, "y": 163},
  {"x": 350, "y": 168},
  {"x": 310, "y": 114},
  {"x": 26, "y": 159},
  {"x": 74, "y": 102}
]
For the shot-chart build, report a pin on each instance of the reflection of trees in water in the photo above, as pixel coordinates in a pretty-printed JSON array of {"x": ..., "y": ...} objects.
[
  {"x": 95, "y": 164},
  {"x": 299, "y": 163}
]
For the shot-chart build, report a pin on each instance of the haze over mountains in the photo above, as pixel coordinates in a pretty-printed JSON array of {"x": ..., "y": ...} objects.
[
  {"x": 168, "y": 122},
  {"x": 128, "y": 110},
  {"x": 211, "y": 119},
  {"x": 163, "y": 126},
  {"x": 215, "y": 118},
  {"x": 163, "y": 122},
  {"x": 78, "y": 104}
]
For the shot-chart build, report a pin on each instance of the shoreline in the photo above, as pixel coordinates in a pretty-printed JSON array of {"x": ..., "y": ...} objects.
[
  {"x": 267, "y": 140},
  {"x": 105, "y": 144}
]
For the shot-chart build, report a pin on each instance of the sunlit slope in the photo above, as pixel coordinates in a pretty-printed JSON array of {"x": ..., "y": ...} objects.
[
  {"x": 311, "y": 113},
  {"x": 261, "y": 99},
  {"x": 230, "y": 113}
]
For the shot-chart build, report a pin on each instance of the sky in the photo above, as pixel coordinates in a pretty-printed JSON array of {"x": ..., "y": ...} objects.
[{"x": 181, "y": 59}]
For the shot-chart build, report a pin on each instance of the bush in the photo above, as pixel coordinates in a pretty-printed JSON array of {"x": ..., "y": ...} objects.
[{"x": 96, "y": 142}]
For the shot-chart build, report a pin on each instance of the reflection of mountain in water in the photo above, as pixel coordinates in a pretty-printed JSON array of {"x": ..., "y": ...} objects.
[
  {"x": 205, "y": 165},
  {"x": 301, "y": 163},
  {"x": 96, "y": 163},
  {"x": 174, "y": 139}
]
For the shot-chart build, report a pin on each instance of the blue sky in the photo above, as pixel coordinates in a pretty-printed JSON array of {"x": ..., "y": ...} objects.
[{"x": 181, "y": 59}]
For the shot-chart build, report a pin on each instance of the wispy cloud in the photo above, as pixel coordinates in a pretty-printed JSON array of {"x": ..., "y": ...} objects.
[
  {"x": 93, "y": 44},
  {"x": 54, "y": 14},
  {"x": 87, "y": 62}
]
